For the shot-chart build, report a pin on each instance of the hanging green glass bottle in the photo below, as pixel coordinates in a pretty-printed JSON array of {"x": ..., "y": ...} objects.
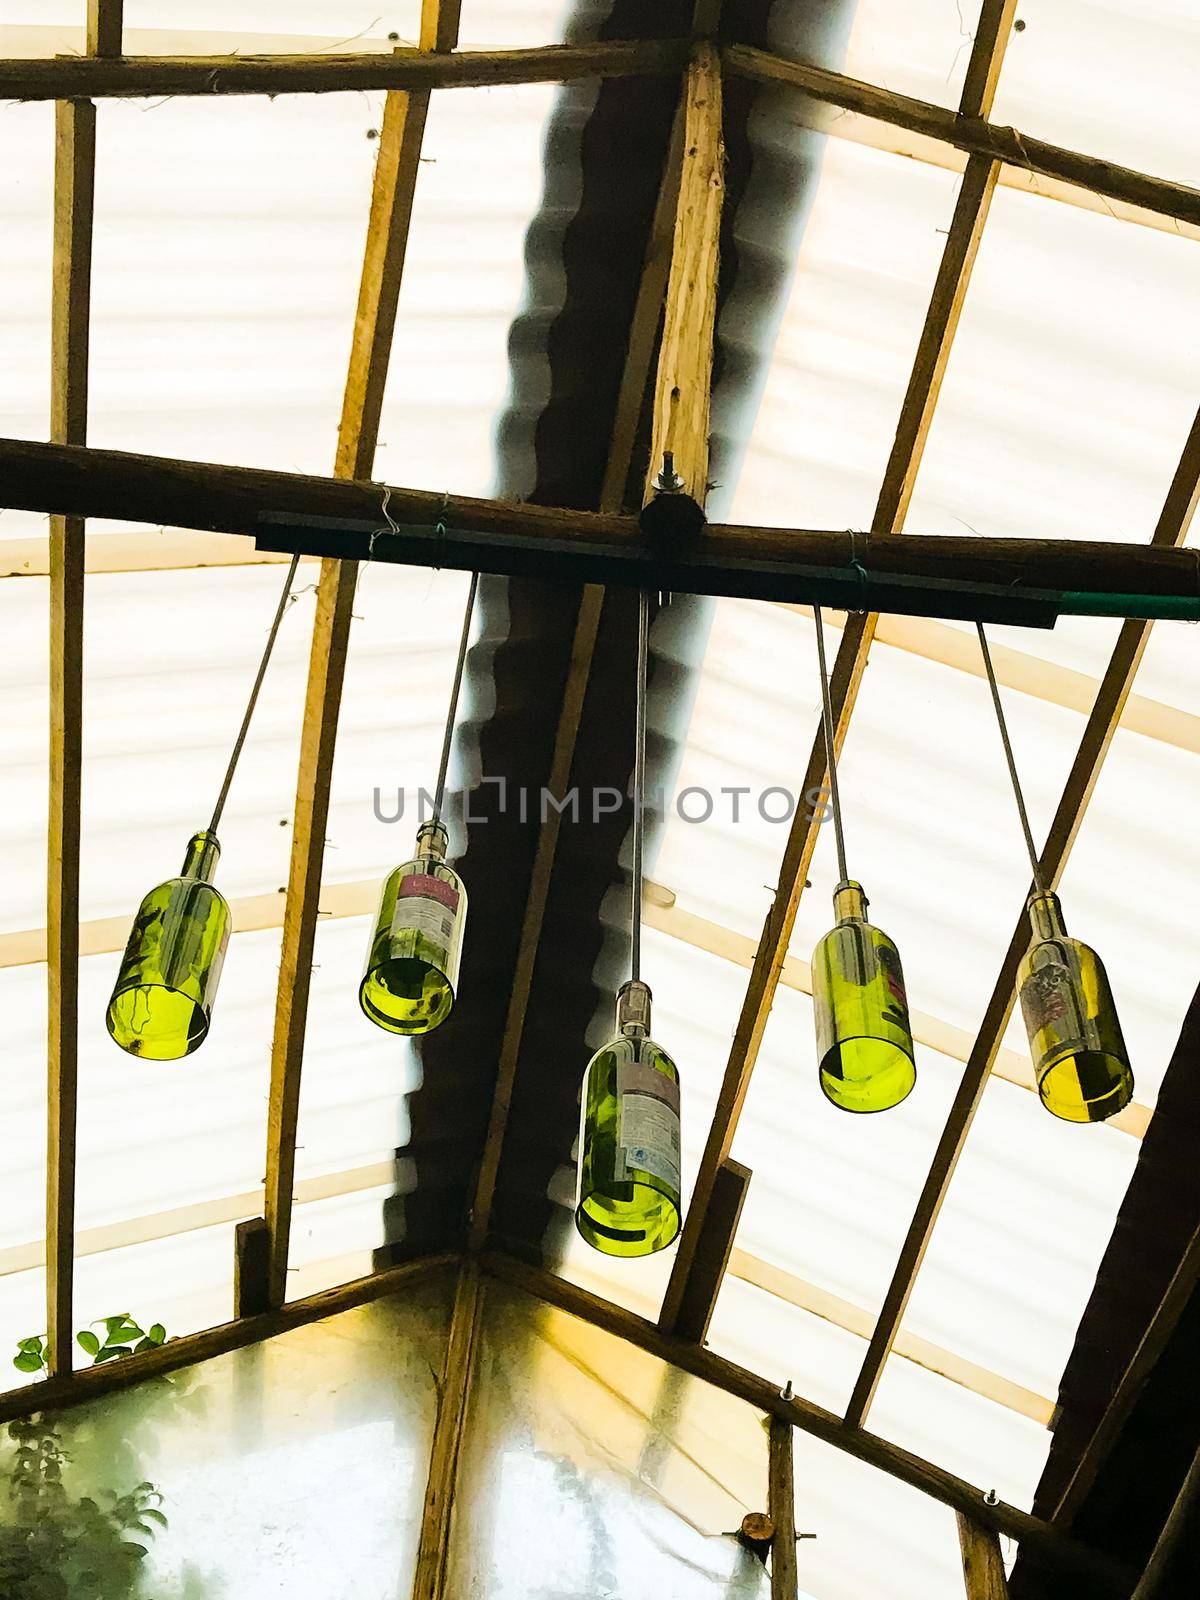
[
  {"x": 865, "y": 1058},
  {"x": 629, "y": 1197},
  {"x": 1079, "y": 1056},
  {"x": 628, "y": 1200},
  {"x": 1075, "y": 1040},
  {"x": 864, "y": 1039},
  {"x": 412, "y": 966},
  {"x": 411, "y": 977},
  {"x": 162, "y": 1001},
  {"x": 161, "y": 1004}
]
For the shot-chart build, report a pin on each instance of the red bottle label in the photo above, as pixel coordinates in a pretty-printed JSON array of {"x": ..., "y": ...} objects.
[{"x": 426, "y": 887}]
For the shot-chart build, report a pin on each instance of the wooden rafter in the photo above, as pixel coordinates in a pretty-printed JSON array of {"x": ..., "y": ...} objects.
[
  {"x": 1026, "y": 580},
  {"x": 686, "y": 190},
  {"x": 70, "y": 322},
  {"x": 983, "y": 1565},
  {"x": 781, "y": 1508},
  {"x": 1044, "y": 1542},
  {"x": 970, "y": 132},
  {"x": 1133, "y": 1380},
  {"x": 683, "y": 380},
  {"x": 392, "y": 197},
  {"x": 453, "y": 1392},
  {"x": 403, "y": 71},
  {"x": 1173, "y": 523},
  {"x": 1152, "y": 1581},
  {"x": 916, "y": 416},
  {"x": 56, "y": 1393}
]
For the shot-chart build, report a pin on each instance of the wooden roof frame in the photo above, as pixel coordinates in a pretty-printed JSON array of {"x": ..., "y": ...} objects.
[{"x": 409, "y": 76}]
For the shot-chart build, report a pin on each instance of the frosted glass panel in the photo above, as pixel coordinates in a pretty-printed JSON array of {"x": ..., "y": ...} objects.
[
  {"x": 296, "y": 1467},
  {"x": 589, "y": 1468}
]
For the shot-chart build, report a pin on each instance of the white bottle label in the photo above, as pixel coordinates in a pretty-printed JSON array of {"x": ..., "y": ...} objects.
[
  {"x": 427, "y": 906},
  {"x": 648, "y": 1132}
]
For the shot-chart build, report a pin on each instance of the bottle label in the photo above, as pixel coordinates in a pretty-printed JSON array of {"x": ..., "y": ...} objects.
[
  {"x": 427, "y": 906},
  {"x": 893, "y": 980},
  {"x": 1047, "y": 1002},
  {"x": 648, "y": 1134}
]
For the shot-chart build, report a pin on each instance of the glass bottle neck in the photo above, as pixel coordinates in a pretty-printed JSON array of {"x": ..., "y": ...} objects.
[
  {"x": 200, "y": 860},
  {"x": 849, "y": 902},
  {"x": 633, "y": 1009},
  {"x": 1045, "y": 916},
  {"x": 432, "y": 841}
]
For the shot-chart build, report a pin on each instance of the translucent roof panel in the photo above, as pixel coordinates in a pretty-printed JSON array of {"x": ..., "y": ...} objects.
[
  {"x": 1071, "y": 383},
  {"x": 228, "y": 249},
  {"x": 464, "y": 281},
  {"x": 1014, "y": 1256},
  {"x": 1076, "y": 59},
  {"x": 837, "y": 376}
]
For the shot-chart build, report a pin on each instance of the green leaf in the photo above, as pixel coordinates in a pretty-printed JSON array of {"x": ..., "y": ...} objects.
[
  {"x": 113, "y": 1323},
  {"x": 111, "y": 1352},
  {"x": 154, "y": 1516},
  {"x": 88, "y": 1342},
  {"x": 28, "y": 1362},
  {"x": 34, "y": 1343},
  {"x": 157, "y": 1334}
]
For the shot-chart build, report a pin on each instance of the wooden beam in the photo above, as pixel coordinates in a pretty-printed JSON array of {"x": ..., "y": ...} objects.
[
  {"x": 75, "y": 153},
  {"x": 1133, "y": 1380},
  {"x": 105, "y": 22},
  {"x": 453, "y": 1394},
  {"x": 992, "y": 30},
  {"x": 781, "y": 1508},
  {"x": 1185, "y": 1509},
  {"x": 974, "y": 136},
  {"x": 983, "y": 1565},
  {"x": 397, "y": 166},
  {"x": 718, "y": 1229},
  {"x": 1044, "y": 1542},
  {"x": 683, "y": 382},
  {"x": 1025, "y": 580},
  {"x": 1178, "y": 509},
  {"x": 251, "y": 1267},
  {"x": 56, "y": 1393},
  {"x": 916, "y": 413},
  {"x": 639, "y": 354},
  {"x": 402, "y": 71},
  {"x": 70, "y": 327}
]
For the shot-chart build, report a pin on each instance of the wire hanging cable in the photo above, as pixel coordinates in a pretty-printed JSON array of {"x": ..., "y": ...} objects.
[
  {"x": 452, "y": 713},
  {"x": 639, "y": 783},
  {"x": 1038, "y": 881},
  {"x": 219, "y": 808},
  {"x": 830, "y": 756}
]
